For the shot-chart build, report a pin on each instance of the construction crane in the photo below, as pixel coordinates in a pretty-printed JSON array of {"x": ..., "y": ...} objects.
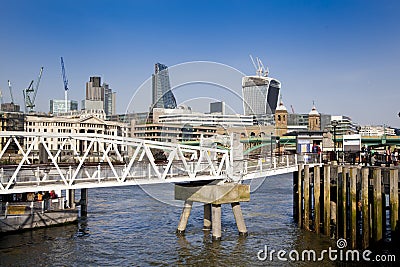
[
  {"x": 260, "y": 70},
  {"x": 292, "y": 108},
  {"x": 9, "y": 87},
  {"x": 65, "y": 80},
  {"x": 31, "y": 92}
]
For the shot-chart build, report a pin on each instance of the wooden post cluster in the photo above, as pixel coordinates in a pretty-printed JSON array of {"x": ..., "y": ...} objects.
[{"x": 348, "y": 202}]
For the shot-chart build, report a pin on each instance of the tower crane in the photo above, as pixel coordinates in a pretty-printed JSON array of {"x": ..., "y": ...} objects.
[
  {"x": 31, "y": 92},
  {"x": 65, "y": 80}
]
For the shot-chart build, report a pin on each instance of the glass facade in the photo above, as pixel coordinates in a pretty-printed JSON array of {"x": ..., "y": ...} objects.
[
  {"x": 260, "y": 95},
  {"x": 58, "y": 106},
  {"x": 162, "y": 95}
]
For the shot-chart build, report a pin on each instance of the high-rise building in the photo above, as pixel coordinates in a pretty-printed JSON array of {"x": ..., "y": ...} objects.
[
  {"x": 217, "y": 107},
  {"x": 109, "y": 100},
  {"x": 162, "y": 96},
  {"x": 94, "y": 90},
  {"x": 260, "y": 95},
  {"x": 99, "y": 96},
  {"x": 58, "y": 106}
]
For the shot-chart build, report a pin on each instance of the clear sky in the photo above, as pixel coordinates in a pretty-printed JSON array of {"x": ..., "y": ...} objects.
[{"x": 344, "y": 55}]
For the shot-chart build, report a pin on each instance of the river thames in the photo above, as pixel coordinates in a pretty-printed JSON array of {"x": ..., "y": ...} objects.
[{"x": 134, "y": 226}]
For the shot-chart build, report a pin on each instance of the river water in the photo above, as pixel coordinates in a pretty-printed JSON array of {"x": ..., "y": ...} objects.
[{"x": 135, "y": 226}]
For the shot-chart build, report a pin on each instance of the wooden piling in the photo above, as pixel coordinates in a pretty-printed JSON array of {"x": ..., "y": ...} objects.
[
  {"x": 365, "y": 207},
  {"x": 317, "y": 204},
  {"x": 377, "y": 205},
  {"x": 84, "y": 202},
  {"x": 300, "y": 196},
  {"x": 394, "y": 199},
  {"x": 295, "y": 195},
  {"x": 187, "y": 208},
  {"x": 353, "y": 207},
  {"x": 237, "y": 213},
  {"x": 327, "y": 199},
  {"x": 216, "y": 221},
  {"x": 306, "y": 197},
  {"x": 344, "y": 202},
  {"x": 338, "y": 191},
  {"x": 207, "y": 217}
]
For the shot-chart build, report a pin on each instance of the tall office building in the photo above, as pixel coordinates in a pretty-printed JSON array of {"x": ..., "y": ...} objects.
[
  {"x": 162, "y": 96},
  {"x": 260, "y": 95},
  {"x": 99, "y": 96},
  {"x": 94, "y": 90},
  {"x": 109, "y": 100}
]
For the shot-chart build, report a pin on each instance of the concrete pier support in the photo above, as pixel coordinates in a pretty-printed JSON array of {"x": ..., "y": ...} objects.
[
  {"x": 84, "y": 202},
  {"x": 216, "y": 221},
  {"x": 213, "y": 196},
  {"x": 187, "y": 208},
  {"x": 237, "y": 212},
  {"x": 207, "y": 217},
  {"x": 70, "y": 198}
]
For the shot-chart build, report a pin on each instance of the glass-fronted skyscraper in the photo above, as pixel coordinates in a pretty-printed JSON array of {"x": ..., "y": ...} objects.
[
  {"x": 260, "y": 95},
  {"x": 162, "y": 96}
]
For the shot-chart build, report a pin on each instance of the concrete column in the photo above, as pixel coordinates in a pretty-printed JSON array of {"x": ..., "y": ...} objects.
[
  {"x": 84, "y": 202},
  {"x": 71, "y": 198},
  {"x": 216, "y": 221},
  {"x": 187, "y": 208},
  {"x": 207, "y": 217},
  {"x": 237, "y": 212}
]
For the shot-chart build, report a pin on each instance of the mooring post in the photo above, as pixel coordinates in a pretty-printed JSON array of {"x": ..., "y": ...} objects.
[
  {"x": 344, "y": 202},
  {"x": 207, "y": 217},
  {"x": 300, "y": 196},
  {"x": 187, "y": 208},
  {"x": 84, "y": 202},
  {"x": 216, "y": 221},
  {"x": 365, "y": 207},
  {"x": 317, "y": 192},
  {"x": 295, "y": 195},
  {"x": 306, "y": 197},
  {"x": 338, "y": 195},
  {"x": 394, "y": 199},
  {"x": 377, "y": 218},
  {"x": 71, "y": 198},
  {"x": 353, "y": 207},
  {"x": 237, "y": 212},
  {"x": 327, "y": 200}
]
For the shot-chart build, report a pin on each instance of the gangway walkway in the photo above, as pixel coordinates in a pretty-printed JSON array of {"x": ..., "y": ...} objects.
[{"x": 42, "y": 165}]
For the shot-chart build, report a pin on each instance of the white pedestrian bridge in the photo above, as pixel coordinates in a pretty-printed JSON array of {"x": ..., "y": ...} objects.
[{"x": 61, "y": 161}]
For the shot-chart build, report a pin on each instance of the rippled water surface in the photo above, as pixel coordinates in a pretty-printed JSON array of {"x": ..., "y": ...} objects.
[{"x": 134, "y": 226}]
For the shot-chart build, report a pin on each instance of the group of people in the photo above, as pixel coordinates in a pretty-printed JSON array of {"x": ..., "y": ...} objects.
[
  {"x": 39, "y": 196},
  {"x": 373, "y": 158}
]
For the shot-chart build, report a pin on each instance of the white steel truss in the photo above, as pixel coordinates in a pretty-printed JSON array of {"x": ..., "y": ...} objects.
[{"x": 47, "y": 161}]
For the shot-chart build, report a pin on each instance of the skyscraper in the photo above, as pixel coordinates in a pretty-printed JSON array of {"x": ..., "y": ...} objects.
[
  {"x": 260, "y": 95},
  {"x": 162, "y": 96},
  {"x": 94, "y": 90},
  {"x": 109, "y": 100}
]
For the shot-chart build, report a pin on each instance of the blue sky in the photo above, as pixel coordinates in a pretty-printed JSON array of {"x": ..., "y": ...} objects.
[{"x": 344, "y": 55}]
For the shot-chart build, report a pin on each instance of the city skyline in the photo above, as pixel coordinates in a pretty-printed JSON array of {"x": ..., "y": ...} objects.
[{"x": 342, "y": 54}]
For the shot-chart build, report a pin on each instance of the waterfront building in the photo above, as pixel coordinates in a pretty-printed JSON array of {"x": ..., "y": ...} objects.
[
  {"x": 58, "y": 105},
  {"x": 260, "y": 95},
  {"x": 185, "y": 116},
  {"x": 162, "y": 96},
  {"x": 77, "y": 122},
  {"x": 137, "y": 118},
  {"x": 175, "y": 133},
  {"x": 344, "y": 125},
  {"x": 11, "y": 121},
  {"x": 281, "y": 120},
  {"x": 376, "y": 130},
  {"x": 314, "y": 120}
]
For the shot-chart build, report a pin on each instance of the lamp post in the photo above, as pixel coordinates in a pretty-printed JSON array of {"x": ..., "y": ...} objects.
[
  {"x": 271, "y": 148},
  {"x": 334, "y": 125}
]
